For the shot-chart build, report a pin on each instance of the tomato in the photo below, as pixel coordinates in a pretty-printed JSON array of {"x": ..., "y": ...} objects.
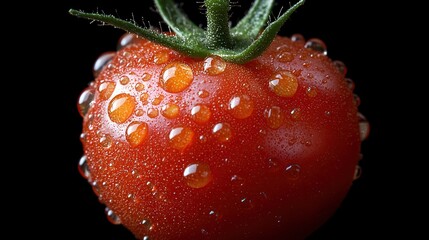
[{"x": 186, "y": 142}]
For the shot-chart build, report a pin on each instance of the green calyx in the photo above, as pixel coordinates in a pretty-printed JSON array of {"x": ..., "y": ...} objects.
[{"x": 245, "y": 41}]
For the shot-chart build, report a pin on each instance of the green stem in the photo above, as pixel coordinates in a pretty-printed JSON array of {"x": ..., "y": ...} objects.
[{"x": 218, "y": 35}]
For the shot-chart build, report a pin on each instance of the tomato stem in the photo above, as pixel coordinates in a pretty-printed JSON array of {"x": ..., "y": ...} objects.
[{"x": 240, "y": 44}]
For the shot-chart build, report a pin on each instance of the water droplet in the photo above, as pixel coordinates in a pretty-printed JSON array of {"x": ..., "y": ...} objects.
[
  {"x": 140, "y": 87},
  {"x": 222, "y": 131},
  {"x": 293, "y": 171},
  {"x": 146, "y": 238},
  {"x": 214, "y": 65},
  {"x": 106, "y": 141},
  {"x": 295, "y": 113},
  {"x": 237, "y": 181},
  {"x": 356, "y": 99},
  {"x": 247, "y": 203},
  {"x": 139, "y": 112},
  {"x": 152, "y": 112},
  {"x": 161, "y": 57},
  {"x": 126, "y": 39},
  {"x": 146, "y": 77},
  {"x": 158, "y": 100},
  {"x": 201, "y": 113},
  {"x": 121, "y": 107},
  {"x": 170, "y": 111},
  {"x": 176, "y": 77},
  {"x": 273, "y": 165},
  {"x": 203, "y": 94},
  {"x": 144, "y": 98},
  {"x": 284, "y": 84},
  {"x": 106, "y": 90},
  {"x": 124, "y": 80},
  {"x": 297, "y": 38},
  {"x": 364, "y": 126},
  {"x": 215, "y": 215},
  {"x": 311, "y": 91},
  {"x": 85, "y": 101},
  {"x": 275, "y": 117},
  {"x": 358, "y": 172},
  {"x": 240, "y": 106},
  {"x": 147, "y": 224},
  {"x": 137, "y": 133},
  {"x": 181, "y": 137},
  {"x": 341, "y": 67},
  {"x": 101, "y": 62},
  {"x": 83, "y": 167},
  {"x": 317, "y": 45},
  {"x": 112, "y": 217},
  {"x": 197, "y": 175},
  {"x": 350, "y": 83}
]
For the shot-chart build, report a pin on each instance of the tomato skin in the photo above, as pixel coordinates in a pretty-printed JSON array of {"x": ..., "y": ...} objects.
[{"x": 264, "y": 149}]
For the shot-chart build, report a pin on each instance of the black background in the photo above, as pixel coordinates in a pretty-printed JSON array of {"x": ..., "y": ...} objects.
[{"x": 363, "y": 35}]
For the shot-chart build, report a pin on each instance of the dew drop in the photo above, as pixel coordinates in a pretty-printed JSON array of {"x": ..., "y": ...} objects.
[
  {"x": 297, "y": 38},
  {"x": 106, "y": 90},
  {"x": 112, "y": 217},
  {"x": 293, "y": 171},
  {"x": 176, "y": 77},
  {"x": 146, "y": 77},
  {"x": 201, "y": 113},
  {"x": 222, "y": 132},
  {"x": 124, "y": 80},
  {"x": 170, "y": 111},
  {"x": 275, "y": 117},
  {"x": 317, "y": 45},
  {"x": 247, "y": 203},
  {"x": 147, "y": 224},
  {"x": 106, "y": 141},
  {"x": 139, "y": 112},
  {"x": 295, "y": 113},
  {"x": 161, "y": 57},
  {"x": 237, "y": 181},
  {"x": 121, "y": 107},
  {"x": 356, "y": 99},
  {"x": 273, "y": 165},
  {"x": 152, "y": 112},
  {"x": 85, "y": 101},
  {"x": 181, "y": 137},
  {"x": 364, "y": 127},
  {"x": 125, "y": 40},
  {"x": 101, "y": 62},
  {"x": 144, "y": 98},
  {"x": 283, "y": 84},
  {"x": 158, "y": 100},
  {"x": 350, "y": 83},
  {"x": 203, "y": 94},
  {"x": 83, "y": 167},
  {"x": 341, "y": 67},
  {"x": 197, "y": 175},
  {"x": 358, "y": 172},
  {"x": 311, "y": 91},
  {"x": 137, "y": 133},
  {"x": 240, "y": 106},
  {"x": 139, "y": 87},
  {"x": 214, "y": 65},
  {"x": 215, "y": 215}
]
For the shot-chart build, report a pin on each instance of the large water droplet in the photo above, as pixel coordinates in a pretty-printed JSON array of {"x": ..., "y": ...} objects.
[
  {"x": 297, "y": 37},
  {"x": 106, "y": 90},
  {"x": 341, "y": 67},
  {"x": 240, "y": 106},
  {"x": 181, "y": 137},
  {"x": 358, "y": 172},
  {"x": 83, "y": 167},
  {"x": 85, "y": 101},
  {"x": 317, "y": 45},
  {"x": 112, "y": 217},
  {"x": 222, "y": 132},
  {"x": 147, "y": 224},
  {"x": 201, "y": 113},
  {"x": 198, "y": 175},
  {"x": 283, "y": 84},
  {"x": 161, "y": 57},
  {"x": 106, "y": 141},
  {"x": 170, "y": 111},
  {"x": 101, "y": 62},
  {"x": 364, "y": 126},
  {"x": 275, "y": 117},
  {"x": 126, "y": 39},
  {"x": 121, "y": 107},
  {"x": 124, "y": 80},
  {"x": 137, "y": 133},
  {"x": 176, "y": 77},
  {"x": 293, "y": 171},
  {"x": 214, "y": 65}
]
